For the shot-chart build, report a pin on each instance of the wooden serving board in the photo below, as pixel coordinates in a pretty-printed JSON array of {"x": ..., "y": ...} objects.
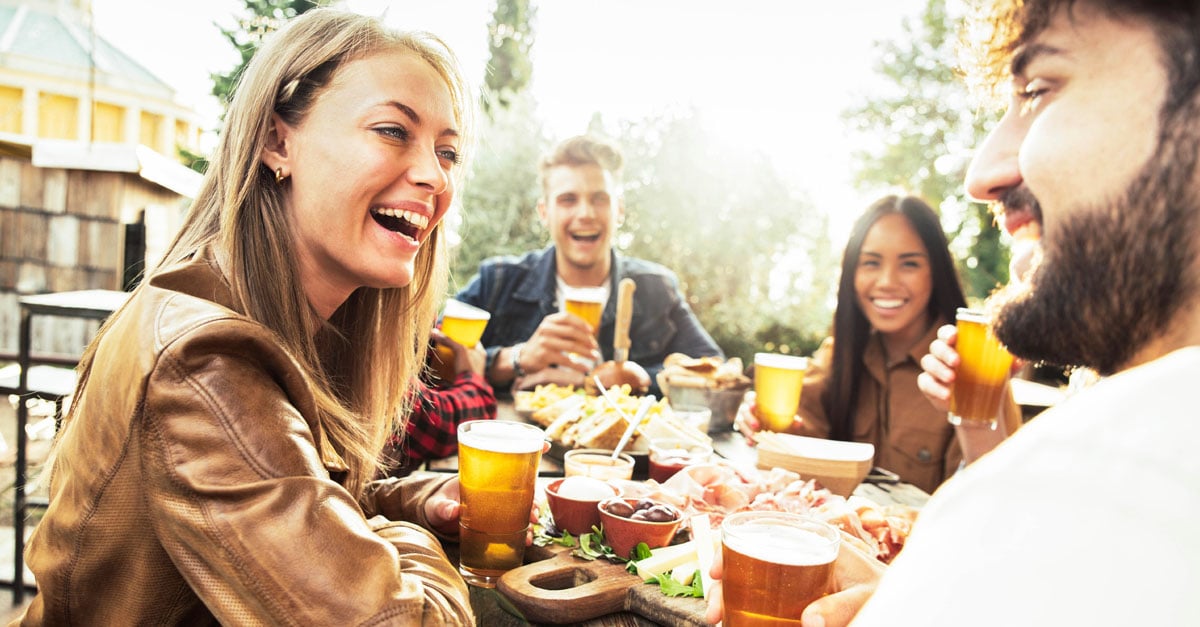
[{"x": 557, "y": 587}]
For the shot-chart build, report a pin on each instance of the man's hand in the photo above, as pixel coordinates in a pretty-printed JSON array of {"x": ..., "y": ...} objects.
[
  {"x": 940, "y": 367},
  {"x": 855, "y": 577},
  {"x": 558, "y": 337}
]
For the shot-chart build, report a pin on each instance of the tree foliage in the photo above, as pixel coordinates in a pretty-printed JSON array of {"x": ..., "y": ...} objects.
[
  {"x": 260, "y": 17},
  {"x": 510, "y": 38},
  {"x": 923, "y": 129}
]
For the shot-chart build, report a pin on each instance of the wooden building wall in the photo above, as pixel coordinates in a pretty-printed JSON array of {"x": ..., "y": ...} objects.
[{"x": 63, "y": 230}]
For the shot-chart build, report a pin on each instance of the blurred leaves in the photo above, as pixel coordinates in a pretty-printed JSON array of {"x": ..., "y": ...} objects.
[{"x": 922, "y": 130}]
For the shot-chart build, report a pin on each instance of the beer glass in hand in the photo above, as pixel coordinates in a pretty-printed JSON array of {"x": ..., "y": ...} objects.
[
  {"x": 982, "y": 373},
  {"x": 778, "y": 380},
  {"x": 776, "y": 563},
  {"x": 464, "y": 324},
  {"x": 497, "y": 469}
]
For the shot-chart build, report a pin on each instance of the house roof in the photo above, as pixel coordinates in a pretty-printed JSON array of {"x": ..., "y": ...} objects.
[{"x": 53, "y": 37}]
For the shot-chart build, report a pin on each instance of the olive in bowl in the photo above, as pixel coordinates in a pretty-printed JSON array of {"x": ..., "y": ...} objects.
[{"x": 627, "y": 522}]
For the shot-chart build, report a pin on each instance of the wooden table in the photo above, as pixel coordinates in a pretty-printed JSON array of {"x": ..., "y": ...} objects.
[{"x": 488, "y": 603}]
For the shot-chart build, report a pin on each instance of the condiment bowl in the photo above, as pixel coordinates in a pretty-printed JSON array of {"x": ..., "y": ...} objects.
[
  {"x": 576, "y": 516},
  {"x": 623, "y": 534}
]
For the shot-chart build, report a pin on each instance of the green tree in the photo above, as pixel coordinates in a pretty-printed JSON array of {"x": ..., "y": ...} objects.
[
  {"x": 259, "y": 18},
  {"x": 753, "y": 257},
  {"x": 923, "y": 130},
  {"x": 510, "y": 38}
]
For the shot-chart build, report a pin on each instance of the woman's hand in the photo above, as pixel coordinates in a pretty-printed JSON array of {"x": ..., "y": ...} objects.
[
  {"x": 940, "y": 367},
  {"x": 855, "y": 577},
  {"x": 443, "y": 507},
  {"x": 748, "y": 423}
]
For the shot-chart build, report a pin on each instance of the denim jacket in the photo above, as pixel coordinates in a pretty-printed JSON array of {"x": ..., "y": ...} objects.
[{"x": 520, "y": 291}]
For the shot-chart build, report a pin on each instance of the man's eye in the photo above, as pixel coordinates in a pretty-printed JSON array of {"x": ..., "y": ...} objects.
[{"x": 1031, "y": 96}]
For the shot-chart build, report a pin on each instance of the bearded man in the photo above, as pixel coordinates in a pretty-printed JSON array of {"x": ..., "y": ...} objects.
[{"x": 1087, "y": 516}]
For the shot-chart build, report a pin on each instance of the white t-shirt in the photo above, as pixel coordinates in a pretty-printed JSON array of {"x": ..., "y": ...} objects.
[{"x": 1089, "y": 515}]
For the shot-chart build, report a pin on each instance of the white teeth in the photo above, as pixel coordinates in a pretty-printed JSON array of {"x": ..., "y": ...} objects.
[
  {"x": 416, "y": 219},
  {"x": 888, "y": 303}
]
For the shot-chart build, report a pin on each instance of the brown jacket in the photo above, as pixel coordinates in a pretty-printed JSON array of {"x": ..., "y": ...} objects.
[
  {"x": 911, "y": 438},
  {"x": 193, "y": 485}
]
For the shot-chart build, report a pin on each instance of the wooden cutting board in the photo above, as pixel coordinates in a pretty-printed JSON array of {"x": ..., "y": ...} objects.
[{"x": 557, "y": 587}]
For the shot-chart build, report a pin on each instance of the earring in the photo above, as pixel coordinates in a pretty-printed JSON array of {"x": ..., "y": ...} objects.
[{"x": 279, "y": 176}]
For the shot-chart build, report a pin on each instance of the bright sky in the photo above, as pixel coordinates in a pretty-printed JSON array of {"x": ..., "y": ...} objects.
[{"x": 774, "y": 74}]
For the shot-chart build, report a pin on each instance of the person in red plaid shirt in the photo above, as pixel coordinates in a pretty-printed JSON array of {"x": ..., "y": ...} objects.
[{"x": 432, "y": 429}]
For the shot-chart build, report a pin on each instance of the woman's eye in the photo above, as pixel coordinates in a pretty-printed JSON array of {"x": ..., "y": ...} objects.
[
  {"x": 449, "y": 154},
  {"x": 397, "y": 132}
]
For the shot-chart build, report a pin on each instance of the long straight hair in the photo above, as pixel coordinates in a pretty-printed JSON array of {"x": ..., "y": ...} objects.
[
  {"x": 361, "y": 363},
  {"x": 851, "y": 329}
]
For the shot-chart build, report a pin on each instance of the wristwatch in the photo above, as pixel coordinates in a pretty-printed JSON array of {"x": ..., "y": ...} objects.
[{"x": 515, "y": 351}]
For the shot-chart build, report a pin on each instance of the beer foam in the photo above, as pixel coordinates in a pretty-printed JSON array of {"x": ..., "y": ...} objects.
[
  {"x": 776, "y": 360},
  {"x": 459, "y": 309},
  {"x": 502, "y": 436},
  {"x": 781, "y": 544}
]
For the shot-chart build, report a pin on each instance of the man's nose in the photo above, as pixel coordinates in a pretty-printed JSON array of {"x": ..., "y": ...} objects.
[{"x": 995, "y": 167}]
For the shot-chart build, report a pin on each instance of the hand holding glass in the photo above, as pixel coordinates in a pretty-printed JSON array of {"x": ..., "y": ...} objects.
[
  {"x": 497, "y": 470},
  {"x": 982, "y": 372},
  {"x": 778, "y": 380},
  {"x": 776, "y": 563},
  {"x": 464, "y": 324}
]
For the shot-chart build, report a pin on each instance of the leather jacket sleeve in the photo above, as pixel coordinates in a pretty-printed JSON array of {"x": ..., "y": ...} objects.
[{"x": 241, "y": 501}]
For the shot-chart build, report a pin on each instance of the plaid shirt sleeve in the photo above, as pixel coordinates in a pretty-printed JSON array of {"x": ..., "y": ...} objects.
[{"x": 433, "y": 426}]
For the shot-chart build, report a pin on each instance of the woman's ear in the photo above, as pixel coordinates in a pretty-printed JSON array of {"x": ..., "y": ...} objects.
[{"x": 275, "y": 151}]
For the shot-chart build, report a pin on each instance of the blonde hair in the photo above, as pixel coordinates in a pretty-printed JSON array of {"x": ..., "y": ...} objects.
[
  {"x": 374, "y": 345},
  {"x": 582, "y": 150}
]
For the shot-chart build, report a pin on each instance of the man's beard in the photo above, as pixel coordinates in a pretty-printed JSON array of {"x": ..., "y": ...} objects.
[{"x": 1113, "y": 277}]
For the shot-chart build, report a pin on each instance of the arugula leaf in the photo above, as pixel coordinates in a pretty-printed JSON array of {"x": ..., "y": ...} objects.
[{"x": 673, "y": 588}]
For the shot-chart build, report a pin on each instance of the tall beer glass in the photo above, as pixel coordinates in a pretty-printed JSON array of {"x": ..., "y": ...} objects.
[
  {"x": 585, "y": 302},
  {"x": 982, "y": 373},
  {"x": 497, "y": 469},
  {"x": 464, "y": 324},
  {"x": 776, "y": 563},
  {"x": 778, "y": 380}
]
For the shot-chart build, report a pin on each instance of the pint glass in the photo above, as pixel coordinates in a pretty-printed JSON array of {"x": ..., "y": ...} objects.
[
  {"x": 497, "y": 470},
  {"x": 778, "y": 380},
  {"x": 464, "y": 324},
  {"x": 776, "y": 563},
  {"x": 585, "y": 302},
  {"x": 982, "y": 373}
]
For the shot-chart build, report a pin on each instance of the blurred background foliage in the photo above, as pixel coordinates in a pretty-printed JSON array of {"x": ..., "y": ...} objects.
[{"x": 753, "y": 256}]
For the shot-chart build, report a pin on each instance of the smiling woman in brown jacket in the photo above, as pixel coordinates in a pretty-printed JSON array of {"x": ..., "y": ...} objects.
[
  {"x": 216, "y": 465},
  {"x": 898, "y": 285}
]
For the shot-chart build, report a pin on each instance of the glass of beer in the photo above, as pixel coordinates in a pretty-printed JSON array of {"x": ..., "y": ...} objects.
[
  {"x": 778, "y": 380},
  {"x": 497, "y": 469},
  {"x": 776, "y": 563},
  {"x": 982, "y": 373},
  {"x": 464, "y": 324},
  {"x": 585, "y": 302}
]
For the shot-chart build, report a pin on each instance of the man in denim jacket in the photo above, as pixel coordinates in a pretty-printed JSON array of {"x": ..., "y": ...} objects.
[{"x": 530, "y": 339}]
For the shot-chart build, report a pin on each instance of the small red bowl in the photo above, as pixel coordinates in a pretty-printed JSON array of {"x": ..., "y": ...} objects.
[
  {"x": 575, "y": 516},
  {"x": 623, "y": 534}
]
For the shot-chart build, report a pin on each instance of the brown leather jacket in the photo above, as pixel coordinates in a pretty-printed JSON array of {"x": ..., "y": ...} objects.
[{"x": 193, "y": 486}]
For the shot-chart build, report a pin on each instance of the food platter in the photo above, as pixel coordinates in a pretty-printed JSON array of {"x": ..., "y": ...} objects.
[{"x": 575, "y": 419}]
